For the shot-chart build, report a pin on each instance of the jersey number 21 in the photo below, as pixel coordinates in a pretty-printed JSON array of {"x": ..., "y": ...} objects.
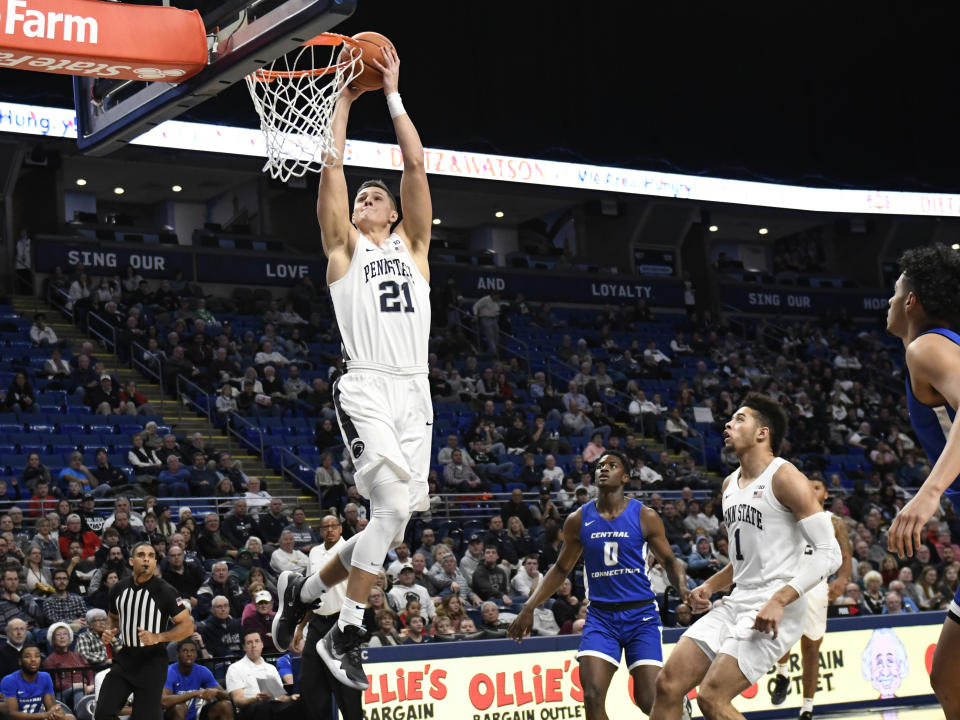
[{"x": 390, "y": 294}]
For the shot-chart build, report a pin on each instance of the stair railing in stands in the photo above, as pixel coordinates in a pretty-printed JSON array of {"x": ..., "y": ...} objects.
[
  {"x": 103, "y": 330},
  {"x": 185, "y": 399},
  {"x": 59, "y": 298},
  {"x": 236, "y": 424},
  {"x": 140, "y": 360},
  {"x": 290, "y": 462},
  {"x": 472, "y": 329}
]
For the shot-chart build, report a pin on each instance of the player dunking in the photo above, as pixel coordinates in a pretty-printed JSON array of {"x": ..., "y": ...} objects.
[
  {"x": 379, "y": 284},
  {"x": 924, "y": 313},
  {"x": 612, "y": 533},
  {"x": 815, "y": 622},
  {"x": 770, "y": 510}
]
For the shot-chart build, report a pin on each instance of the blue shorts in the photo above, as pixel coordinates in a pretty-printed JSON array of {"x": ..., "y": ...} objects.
[{"x": 636, "y": 633}]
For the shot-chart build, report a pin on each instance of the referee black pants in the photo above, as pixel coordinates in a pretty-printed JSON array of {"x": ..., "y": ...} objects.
[
  {"x": 140, "y": 673},
  {"x": 316, "y": 682}
]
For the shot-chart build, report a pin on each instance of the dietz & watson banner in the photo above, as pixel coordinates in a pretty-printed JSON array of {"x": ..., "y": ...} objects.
[
  {"x": 474, "y": 281},
  {"x": 803, "y": 301},
  {"x": 869, "y": 664}
]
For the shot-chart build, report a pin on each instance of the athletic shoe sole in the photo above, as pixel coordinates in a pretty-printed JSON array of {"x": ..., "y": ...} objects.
[
  {"x": 325, "y": 651},
  {"x": 282, "y": 583}
]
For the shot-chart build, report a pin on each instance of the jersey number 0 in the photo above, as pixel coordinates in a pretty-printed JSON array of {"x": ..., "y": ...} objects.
[
  {"x": 610, "y": 550},
  {"x": 390, "y": 294}
]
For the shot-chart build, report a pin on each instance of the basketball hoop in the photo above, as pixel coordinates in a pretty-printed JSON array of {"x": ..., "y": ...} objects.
[{"x": 295, "y": 98}]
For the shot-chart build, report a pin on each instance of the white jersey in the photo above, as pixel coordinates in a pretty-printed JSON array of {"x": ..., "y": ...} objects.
[
  {"x": 766, "y": 545},
  {"x": 382, "y": 304}
]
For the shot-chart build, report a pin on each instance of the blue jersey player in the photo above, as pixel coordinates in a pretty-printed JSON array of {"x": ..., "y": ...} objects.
[
  {"x": 612, "y": 533},
  {"x": 29, "y": 692},
  {"x": 924, "y": 312}
]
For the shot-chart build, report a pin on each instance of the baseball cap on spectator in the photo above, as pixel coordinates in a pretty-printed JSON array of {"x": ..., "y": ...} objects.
[
  {"x": 474, "y": 538},
  {"x": 263, "y": 596},
  {"x": 105, "y": 378},
  {"x": 87, "y": 496},
  {"x": 160, "y": 508},
  {"x": 73, "y": 516},
  {"x": 406, "y": 566}
]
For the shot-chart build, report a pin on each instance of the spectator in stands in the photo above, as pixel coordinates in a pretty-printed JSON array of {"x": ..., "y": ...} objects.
[
  {"x": 13, "y": 605},
  {"x": 212, "y": 542},
  {"x": 287, "y": 557},
  {"x": 75, "y": 532},
  {"x": 63, "y": 606},
  {"x": 134, "y": 402},
  {"x": 595, "y": 448},
  {"x": 15, "y": 639},
  {"x": 516, "y": 506},
  {"x": 40, "y": 333},
  {"x": 202, "y": 480},
  {"x": 873, "y": 597},
  {"x": 243, "y": 680},
  {"x": 232, "y": 470},
  {"x": 220, "y": 582},
  {"x": 304, "y": 536},
  {"x": 459, "y": 476},
  {"x": 448, "y": 578},
  {"x": 58, "y": 372},
  {"x": 575, "y": 421},
  {"x": 702, "y": 563},
  {"x": 421, "y": 576},
  {"x": 490, "y": 579},
  {"x": 273, "y": 522},
  {"x": 261, "y": 620},
  {"x": 239, "y": 526},
  {"x": 573, "y": 395},
  {"x": 492, "y": 621},
  {"x": 174, "y": 481},
  {"x": 20, "y": 396},
  {"x": 89, "y": 643},
  {"x": 544, "y": 508},
  {"x": 185, "y": 577},
  {"x": 386, "y": 633},
  {"x": 486, "y": 310},
  {"x": 42, "y": 502},
  {"x": 527, "y": 578},
  {"x": 169, "y": 446},
  {"x": 930, "y": 597},
  {"x": 72, "y": 683},
  {"x": 146, "y": 464},
  {"x": 269, "y": 356},
  {"x": 677, "y": 534},
  {"x": 893, "y": 604},
  {"x": 220, "y": 633},
  {"x": 405, "y": 588},
  {"x": 677, "y": 432}
]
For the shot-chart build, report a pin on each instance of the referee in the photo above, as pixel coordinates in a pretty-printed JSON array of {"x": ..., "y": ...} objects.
[{"x": 140, "y": 609}]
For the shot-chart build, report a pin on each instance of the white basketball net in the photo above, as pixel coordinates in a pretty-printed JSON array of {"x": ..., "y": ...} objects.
[{"x": 295, "y": 96}]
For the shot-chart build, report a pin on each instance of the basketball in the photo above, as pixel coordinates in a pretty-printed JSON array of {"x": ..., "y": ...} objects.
[{"x": 370, "y": 44}]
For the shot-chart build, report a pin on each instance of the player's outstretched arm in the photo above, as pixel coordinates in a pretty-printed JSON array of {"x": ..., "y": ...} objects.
[
  {"x": 656, "y": 537},
  {"x": 845, "y": 572},
  {"x": 933, "y": 361},
  {"x": 333, "y": 201},
  {"x": 414, "y": 190},
  {"x": 570, "y": 552}
]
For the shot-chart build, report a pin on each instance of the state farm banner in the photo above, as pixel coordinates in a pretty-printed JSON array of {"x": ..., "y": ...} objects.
[
  {"x": 878, "y": 660},
  {"x": 104, "y": 39}
]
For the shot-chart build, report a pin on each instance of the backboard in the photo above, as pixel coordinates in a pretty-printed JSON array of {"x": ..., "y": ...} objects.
[{"x": 242, "y": 36}]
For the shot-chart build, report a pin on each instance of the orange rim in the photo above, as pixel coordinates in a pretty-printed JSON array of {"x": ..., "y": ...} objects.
[{"x": 330, "y": 39}]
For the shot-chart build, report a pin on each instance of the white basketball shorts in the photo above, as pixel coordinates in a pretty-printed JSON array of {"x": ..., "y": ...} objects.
[
  {"x": 387, "y": 418},
  {"x": 727, "y": 628},
  {"x": 815, "y": 622}
]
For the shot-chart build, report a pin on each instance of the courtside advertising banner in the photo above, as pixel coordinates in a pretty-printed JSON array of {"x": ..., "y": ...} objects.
[{"x": 882, "y": 665}]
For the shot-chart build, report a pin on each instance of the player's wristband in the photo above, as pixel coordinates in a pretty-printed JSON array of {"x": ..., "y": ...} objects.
[{"x": 395, "y": 105}]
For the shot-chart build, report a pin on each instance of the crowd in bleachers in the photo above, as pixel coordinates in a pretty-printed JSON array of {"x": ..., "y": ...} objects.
[{"x": 520, "y": 416}]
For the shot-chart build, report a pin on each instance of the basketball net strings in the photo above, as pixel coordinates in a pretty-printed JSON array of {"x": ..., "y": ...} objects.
[{"x": 296, "y": 112}]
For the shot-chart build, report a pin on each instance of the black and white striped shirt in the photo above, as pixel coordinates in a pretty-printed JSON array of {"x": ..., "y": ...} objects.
[{"x": 149, "y": 607}]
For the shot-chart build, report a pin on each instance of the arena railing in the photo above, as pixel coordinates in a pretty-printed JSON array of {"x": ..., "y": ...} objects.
[
  {"x": 235, "y": 426},
  {"x": 185, "y": 399},
  {"x": 59, "y": 299},
  {"x": 103, "y": 331},
  {"x": 138, "y": 355},
  {"x": 291, "y": 471},
  {"x": 466, "y": 322}
]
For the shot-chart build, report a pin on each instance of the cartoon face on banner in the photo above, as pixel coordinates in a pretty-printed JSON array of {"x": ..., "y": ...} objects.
[{"x": 884, "y": 662}]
